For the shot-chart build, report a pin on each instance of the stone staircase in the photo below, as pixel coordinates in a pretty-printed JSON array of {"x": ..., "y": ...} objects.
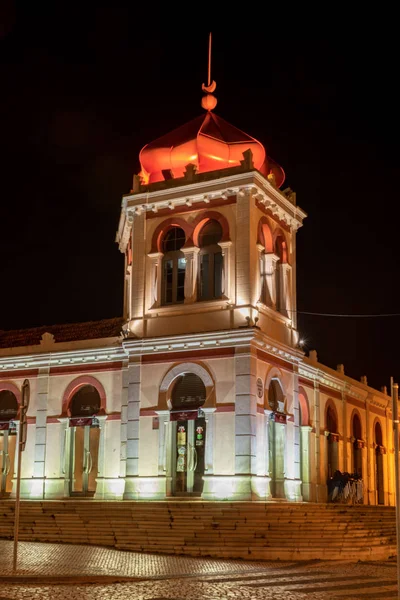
[{"x": 248, "y": 530}]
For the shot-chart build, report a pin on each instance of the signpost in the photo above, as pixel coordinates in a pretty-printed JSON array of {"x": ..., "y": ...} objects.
[
  {"x": 23, "y": 425},
  {"x": 395, "y": 414}
]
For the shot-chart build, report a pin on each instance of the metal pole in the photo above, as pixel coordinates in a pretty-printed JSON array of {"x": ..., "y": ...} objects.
[
  {"x": 395, "y": 399},
  {"x": 17, "y": 502}
]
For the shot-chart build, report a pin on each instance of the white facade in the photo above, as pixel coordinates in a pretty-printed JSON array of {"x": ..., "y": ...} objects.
[{"x": 267, "y": 423}]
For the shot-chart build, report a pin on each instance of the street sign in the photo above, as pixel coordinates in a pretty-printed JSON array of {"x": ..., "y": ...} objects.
[
  {"x": 23, "y": 425},
  {"x": 24, "y": 410}
]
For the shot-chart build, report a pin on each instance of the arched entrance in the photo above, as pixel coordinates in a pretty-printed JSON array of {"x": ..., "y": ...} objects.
[
  {"x": 85, "y": 436},
  {"x": 379, "y": 452},
  {"x": 333, "y": 441},
  {"x": 357, "y": 445},
  {"x": 8, "y": 437},
  {"x": 188, "y": 435},
  {"x": 277, "y": 439}
]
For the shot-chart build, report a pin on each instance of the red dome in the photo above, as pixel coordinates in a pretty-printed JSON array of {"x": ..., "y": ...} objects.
[{"x": 208, "y": 142}]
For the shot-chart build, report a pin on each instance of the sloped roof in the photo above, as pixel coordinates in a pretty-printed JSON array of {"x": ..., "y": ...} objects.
[{"x": 69, "y": 332}]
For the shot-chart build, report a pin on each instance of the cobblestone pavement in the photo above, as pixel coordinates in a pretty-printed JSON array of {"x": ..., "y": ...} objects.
[{"x": 184, "y": 578}]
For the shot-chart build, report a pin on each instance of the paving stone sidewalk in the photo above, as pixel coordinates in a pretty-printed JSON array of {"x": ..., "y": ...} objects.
[
  {"x": 61, "y": 572},
  {"x": 62, "y": 560}
]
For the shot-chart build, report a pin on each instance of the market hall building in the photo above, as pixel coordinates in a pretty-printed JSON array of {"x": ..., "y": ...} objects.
[{"x": 201, "y": 388}]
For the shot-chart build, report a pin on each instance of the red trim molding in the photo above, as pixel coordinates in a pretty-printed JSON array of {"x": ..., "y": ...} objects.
[
  {"x": 17, "y": 374},
  {"x": 68, "y": 369},
  {"x": 273, "y": 360},
  {"x": 215, "y": 203},
  {"x": 355, "y": 402},
  {"x": 114, "y": 416},
  {"x": 330, "y": 392},
  {"x": 306, "y": 382},
  {"x": 191, "y": 354},
  {"x": 225, "y": 408}
]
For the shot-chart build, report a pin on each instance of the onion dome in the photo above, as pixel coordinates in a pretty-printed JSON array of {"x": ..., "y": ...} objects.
[{"x": 209, "y": 143}]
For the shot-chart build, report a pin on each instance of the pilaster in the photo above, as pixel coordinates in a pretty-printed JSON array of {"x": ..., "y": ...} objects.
[
  {"x": 285, "y": 271},
  {"x": 243, "y": 267},
  {"x": 270, "y": 266},
  {"x": 42, "y": 387},
  {"x": 226, "y": 265},
  {"x": 155, "y": 268},
  {"x": 245, "y": 420},
  {"x": 138, "y": 266},
  {"x": 191, "y": 257},
  {"x": 132, "y": 430}
]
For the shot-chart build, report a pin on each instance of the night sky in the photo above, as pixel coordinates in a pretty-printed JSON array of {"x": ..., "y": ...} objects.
[{"x": 83, "y": 90}]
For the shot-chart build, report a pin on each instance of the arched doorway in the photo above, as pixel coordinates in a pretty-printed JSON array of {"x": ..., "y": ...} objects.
[
  {"x": 277, "y": 439},
  {"x": 357, "y": 445},
  {"x": 379, "y": 452},
  {"x": 8, "y": 437},
  {"x": 85, "y": 436},
  {"x": 333, "y": 441},
  {"x": 188, "y": 435}
]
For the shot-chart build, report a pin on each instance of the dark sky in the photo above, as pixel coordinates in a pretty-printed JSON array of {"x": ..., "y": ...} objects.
[{"x": 83, "y": 90}]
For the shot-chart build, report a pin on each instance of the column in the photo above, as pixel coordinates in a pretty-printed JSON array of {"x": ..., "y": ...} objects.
[
  {"x": 345, "y": 468},
  {"x": 261, "y": 292},
  {"x": 286, "y": 286},
  {"x": 163, "y": 416},
  {"x": 209, "y": 450},
  {"x": 243, "y": 268},
  {"x": 155, "y": 268},
  {"x": 124, "y": 419},
  {"x": 65, "y": 451},
  {"x": 270, "y": 265},
  {"x": 226, "y": 266},
  {"x": 320, "y": 456},
  {"x": 369, "y": 482},
  {"x": 245, "y": 424},
  {"x": 192, "y": 261},
  {"x": 138, "y": 265},
  {"x": 293, "y": 475},
  {"x": 389, "y": 489},
  {"x": 100, "y": 487},
  {"x": 305, "y": 470},
  {"x": 37, "y": 486},
  {"x": 132, "y": 431}
]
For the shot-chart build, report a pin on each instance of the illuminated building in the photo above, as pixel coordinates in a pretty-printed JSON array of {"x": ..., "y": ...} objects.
[{"x": 202, "y": 388}]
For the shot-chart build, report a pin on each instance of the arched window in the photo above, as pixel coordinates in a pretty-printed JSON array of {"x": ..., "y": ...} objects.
[
  {"x": 280, "y": 246},
  {"x": 357, "y": 447},
  {"x": 189, "y": 392},
  {"x": 379, "y": 478},
  {"x": 174, "y": 264},
  {"x": 378, "y": 434},
  {"x": 331, "y": 423},
  {"x": 211, "y": 261},
  {"x": 85, "y": 402},
  {"x": 333, "y": 439},
  {"x": 275, "y": 396},
  {"x": 8, "y": 406}
]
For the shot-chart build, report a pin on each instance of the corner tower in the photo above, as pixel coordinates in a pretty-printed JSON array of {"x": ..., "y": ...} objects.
[
  {"x": 209, "y": 236},
  {"x": 209, "y": 239}
]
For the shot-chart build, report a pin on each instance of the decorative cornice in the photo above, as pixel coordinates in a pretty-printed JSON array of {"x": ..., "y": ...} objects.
[
  {"x": 91, "y": 356},
  {"x": 252, "y": 183}
]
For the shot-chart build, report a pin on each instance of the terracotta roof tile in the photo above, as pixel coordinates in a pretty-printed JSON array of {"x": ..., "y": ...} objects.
[{"x": 69, "y": 332}]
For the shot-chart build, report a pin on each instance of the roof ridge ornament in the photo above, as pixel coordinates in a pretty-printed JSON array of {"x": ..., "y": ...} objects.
[{"x": 209, "y": 102}]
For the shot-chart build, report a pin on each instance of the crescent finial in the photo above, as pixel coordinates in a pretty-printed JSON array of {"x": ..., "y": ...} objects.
[{"x": 209, "y": 102}]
